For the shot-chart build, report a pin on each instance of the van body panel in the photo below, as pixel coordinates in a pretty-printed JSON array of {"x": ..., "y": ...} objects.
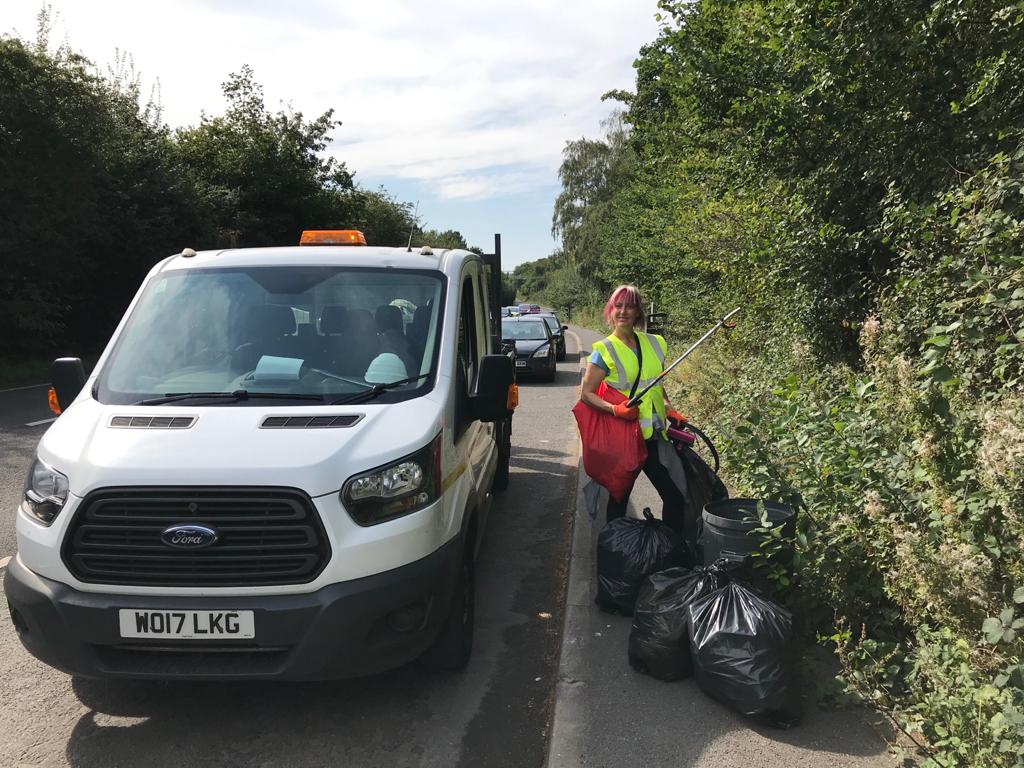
[{"x": 226, "y": 444}]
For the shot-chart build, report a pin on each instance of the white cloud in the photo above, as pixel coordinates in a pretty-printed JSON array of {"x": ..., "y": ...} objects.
[
  {"x": 487, "y": 185},
  {"x": 425, "y": 91}
]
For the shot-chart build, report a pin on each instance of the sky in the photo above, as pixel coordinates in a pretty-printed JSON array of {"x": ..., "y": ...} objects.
[{"x": 463, "y": 106}]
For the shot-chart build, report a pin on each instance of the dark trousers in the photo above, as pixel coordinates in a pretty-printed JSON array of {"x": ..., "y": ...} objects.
[{"x": 673, "y": 501}]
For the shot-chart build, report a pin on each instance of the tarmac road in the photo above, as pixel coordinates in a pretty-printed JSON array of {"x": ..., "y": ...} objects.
[{"x": 495, "y": 713}]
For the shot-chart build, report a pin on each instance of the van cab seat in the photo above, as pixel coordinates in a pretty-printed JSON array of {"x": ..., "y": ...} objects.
[
  {"x": 391, "y": 327},
  {"x": 360, "y": 343}
]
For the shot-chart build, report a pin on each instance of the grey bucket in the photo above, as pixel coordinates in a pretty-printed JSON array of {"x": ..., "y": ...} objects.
[{"x": 729, "y": 528}]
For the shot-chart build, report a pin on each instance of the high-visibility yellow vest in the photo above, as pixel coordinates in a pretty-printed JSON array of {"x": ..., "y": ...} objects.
[{"x": 622, "y": 371}]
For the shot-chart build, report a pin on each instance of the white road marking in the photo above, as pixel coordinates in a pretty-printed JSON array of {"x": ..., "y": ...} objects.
[
  {"x": 5, "y": 561},
  {"x": 18, "y": 389},
  {"x": 41, "y": 421}
]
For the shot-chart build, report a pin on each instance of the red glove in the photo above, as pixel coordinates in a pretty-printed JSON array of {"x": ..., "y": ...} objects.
[
  {"x": 624, "y": 412},
  {"x": 676, "y": 416}
]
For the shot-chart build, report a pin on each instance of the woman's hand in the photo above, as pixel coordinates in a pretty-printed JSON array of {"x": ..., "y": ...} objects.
[
  {"x": 676, "y": 416},
  {"x": 623, "y": 411}
]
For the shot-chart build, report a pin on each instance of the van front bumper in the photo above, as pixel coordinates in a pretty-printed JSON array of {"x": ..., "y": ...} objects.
[{"x": 350, "y": 629}]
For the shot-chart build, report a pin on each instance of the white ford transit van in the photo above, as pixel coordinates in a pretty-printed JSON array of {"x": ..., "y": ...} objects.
[{"x": 280, "y": 467}]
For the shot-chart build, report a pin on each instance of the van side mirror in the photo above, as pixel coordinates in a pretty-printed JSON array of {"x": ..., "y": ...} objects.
[
  {"x": 68, "y": 377},
  {"x": 497, "y": 374}
]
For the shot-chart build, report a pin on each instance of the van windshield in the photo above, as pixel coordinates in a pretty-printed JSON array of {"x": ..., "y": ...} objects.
[{"x": 325, "y": 331}]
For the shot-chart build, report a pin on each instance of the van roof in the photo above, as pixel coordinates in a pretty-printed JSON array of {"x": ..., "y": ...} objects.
[{"x": 313, "y": 256}]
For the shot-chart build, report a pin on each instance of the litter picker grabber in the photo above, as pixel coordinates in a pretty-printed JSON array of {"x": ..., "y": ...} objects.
[{"x": 724, "y": 321}]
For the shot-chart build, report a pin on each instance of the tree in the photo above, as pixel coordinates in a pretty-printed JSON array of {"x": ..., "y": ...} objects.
[
  {"x": 450, "y": 238},
  {"x": 382, "y": 218},
  {"x": 94, "y": 190},
  {"x": 262, "y": 174},
  {"x": 90, "y": 198},
  {"x": 591, "y": 172}
]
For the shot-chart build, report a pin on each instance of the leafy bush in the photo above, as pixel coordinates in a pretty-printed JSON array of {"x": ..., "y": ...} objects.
[{"x": 852, "y": 174}]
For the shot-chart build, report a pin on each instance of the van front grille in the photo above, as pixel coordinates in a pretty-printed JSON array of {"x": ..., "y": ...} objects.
[{"x": 265, "y": 536}]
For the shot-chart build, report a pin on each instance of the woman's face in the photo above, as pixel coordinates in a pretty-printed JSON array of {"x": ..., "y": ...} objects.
[{"x": 625, "y": 315}]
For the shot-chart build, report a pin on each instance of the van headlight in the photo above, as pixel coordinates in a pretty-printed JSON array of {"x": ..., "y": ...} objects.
[
  {"x": 396, "y": 489},
  {"x": 46, "y": 492}
]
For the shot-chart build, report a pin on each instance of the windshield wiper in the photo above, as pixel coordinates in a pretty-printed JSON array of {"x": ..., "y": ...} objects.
[
  {"x": 238, "y": 394},
  {"x": 376, "y": 389}
]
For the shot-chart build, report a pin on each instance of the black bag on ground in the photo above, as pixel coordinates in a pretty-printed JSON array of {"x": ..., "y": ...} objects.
[
  {"x": 659, "y": 643},
  {"x": 628, "y": 550},
  {"x": 745, "y": 654}
]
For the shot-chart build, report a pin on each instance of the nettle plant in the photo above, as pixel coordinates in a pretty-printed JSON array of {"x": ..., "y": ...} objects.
[{"x": 909, "y": 488}]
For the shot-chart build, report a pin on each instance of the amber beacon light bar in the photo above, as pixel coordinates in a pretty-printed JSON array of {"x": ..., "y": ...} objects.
[{"x": 332, "y": 237}]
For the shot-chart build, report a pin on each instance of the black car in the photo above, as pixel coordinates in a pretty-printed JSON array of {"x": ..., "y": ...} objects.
[
  {"x": 558, "y": 331},
  {"x": 535, "y": 345}
]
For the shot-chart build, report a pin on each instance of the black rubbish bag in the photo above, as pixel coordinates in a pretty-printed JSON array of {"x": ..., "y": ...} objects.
[
  {"x": 745, "y": 654},
  {"x": 628, "y": 550},
  {"x": 699, "y": 485},
  {"x": 704, "y": 485},
  {"x": 659, "y": 644}
]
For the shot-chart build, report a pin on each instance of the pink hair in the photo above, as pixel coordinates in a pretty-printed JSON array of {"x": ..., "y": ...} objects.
[{"x": 626, "y": 294}]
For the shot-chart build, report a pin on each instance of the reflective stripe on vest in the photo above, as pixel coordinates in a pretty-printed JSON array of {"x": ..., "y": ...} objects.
[
  {"x": 622, "y": 366},
  {"x": 616, "y": 376}
]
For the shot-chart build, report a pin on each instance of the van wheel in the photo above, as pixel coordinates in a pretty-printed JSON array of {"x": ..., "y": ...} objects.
[{"x": 454, "y": 644}]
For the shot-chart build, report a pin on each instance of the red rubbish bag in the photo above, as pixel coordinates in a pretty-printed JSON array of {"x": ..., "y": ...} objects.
[{"x": 613, "y": 449}]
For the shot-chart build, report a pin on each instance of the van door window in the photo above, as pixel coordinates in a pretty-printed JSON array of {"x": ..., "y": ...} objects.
[
  {"x": 468, "y": 355},
  {"x": 487, "y": 316}
]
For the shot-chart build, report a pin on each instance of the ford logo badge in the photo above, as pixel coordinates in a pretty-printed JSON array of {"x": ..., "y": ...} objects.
[{"x": 188, "y": 536}]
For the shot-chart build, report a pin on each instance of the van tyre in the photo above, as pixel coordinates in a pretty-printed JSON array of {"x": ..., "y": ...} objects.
[{"x": 454, "y": 644}]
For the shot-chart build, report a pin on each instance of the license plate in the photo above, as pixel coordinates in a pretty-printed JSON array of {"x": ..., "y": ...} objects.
[
  {"x": 520, "y": 363},
  {"x": 187, "y": 625}
]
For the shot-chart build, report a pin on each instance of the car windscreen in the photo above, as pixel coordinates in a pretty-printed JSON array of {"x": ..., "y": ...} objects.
[
  {"x": 303, "y": 331},
  {"x": 529, "y": 331},
  {"x": 552, "y": 323}
]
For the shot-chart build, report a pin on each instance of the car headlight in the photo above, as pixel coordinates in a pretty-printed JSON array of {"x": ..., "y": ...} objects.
[
  {"x": 544, "y": 351},
  {"x": 396, "y": 489},
  {"x": 46, "y": 492}
]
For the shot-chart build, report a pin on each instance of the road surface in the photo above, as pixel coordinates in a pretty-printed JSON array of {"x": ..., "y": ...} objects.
[{"x": 496, "y": 713}]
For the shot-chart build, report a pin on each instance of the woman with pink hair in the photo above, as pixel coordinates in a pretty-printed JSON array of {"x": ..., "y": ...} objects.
[{"x": 628, "y": 360}]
